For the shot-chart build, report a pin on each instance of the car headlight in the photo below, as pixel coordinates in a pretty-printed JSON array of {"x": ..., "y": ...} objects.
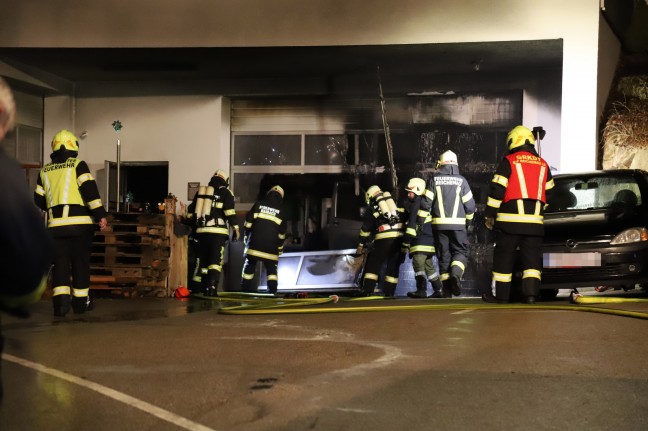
[{"x": 635, "y": 234}]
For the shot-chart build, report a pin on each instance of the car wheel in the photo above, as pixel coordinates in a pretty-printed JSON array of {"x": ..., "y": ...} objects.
[{"x": 548, "y": 294}]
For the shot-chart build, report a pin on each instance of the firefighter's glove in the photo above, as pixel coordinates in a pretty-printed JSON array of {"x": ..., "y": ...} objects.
[
  {"x": 236, "y": 234},
  {"x": 359, "y": 250},
  {"x": 470, "y": 226},
  {"x": 489, "y": 222}
]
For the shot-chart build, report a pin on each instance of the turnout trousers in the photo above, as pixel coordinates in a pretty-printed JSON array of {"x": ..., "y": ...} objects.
[
  {"x": 506, "y": 257},
  {"x": 249, "y": 268},
  {"x": 71, "y": 272},
  {"x": 385, "y": 251},
  {"x": 211, "y": 254}
]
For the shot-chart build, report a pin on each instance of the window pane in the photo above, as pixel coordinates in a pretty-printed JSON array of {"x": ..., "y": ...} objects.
[
  {"x": 274, "y": 150},
  {"x": 246, "y": 187},
  {"x": 28, "y": 149},
  {"x": 326, "y": 149}
]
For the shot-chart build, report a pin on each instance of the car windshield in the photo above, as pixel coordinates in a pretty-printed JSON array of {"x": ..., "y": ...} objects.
[{"x": 594, "y": 192}]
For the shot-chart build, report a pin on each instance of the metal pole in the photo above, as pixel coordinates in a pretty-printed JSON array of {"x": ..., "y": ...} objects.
[
  {"x": 388, "y": 144},
  {"x": 118, "y": 173}
]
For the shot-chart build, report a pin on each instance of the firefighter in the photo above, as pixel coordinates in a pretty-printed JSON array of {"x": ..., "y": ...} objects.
[
  {"x": 452, "y": 209},
  {"x": 515, "y": 208},
  {"x": 419, "y": 238},
  {"x": 27, "y": 246},
  {"x": 68, "y": 192},
  {"x": 383, "y": 225},
  {"x": 265, "y": 234},
  {"x": 213, "y": 215}
]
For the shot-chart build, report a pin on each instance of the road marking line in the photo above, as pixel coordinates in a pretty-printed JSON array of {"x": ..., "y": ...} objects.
[
  {"x": 111, "y": 393},
  {"x": 462, "y": 312}
]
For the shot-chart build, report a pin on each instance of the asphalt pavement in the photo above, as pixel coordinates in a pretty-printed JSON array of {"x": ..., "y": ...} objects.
[{"x": 401, "y": 364}]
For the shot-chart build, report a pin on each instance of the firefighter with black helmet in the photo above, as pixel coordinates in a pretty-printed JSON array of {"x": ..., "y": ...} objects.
[
  {"x": 515, "y": 210},
  {"x": 67, "y": 191},
  {"x": 213, "y": 215},
  {"x": 419, "y": 239},
  {"x": 383, "y": 228},
  {"x": 453, "y": 209},
  {"x": 265, "y": 233}
]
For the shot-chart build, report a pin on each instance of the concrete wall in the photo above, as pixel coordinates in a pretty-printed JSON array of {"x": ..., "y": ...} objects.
[{"x": 169, "y": 23}]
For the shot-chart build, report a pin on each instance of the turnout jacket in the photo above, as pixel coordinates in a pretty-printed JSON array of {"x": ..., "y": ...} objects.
[
  {"x": 221, "y": 215},
  {"x": 28, "y": 247},
  {"x": 518, "y": 192},
  {"x": 418, "y": 233},
  {"x": 265, "y": 228},
  {"x": 68, "y": 192},
  {"x": 375, "y": 225},
  {"x": 453, "y": 203}
]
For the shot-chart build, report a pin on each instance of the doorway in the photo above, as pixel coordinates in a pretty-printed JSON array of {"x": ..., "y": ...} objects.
[{"x": 142, "y": 186}]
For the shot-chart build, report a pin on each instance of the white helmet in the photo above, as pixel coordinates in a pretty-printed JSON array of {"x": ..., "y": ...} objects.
[
  {"x": 372, "y": 192},
  {"x": 416, "y": 186},
  {"x": 448, "y": 158}
]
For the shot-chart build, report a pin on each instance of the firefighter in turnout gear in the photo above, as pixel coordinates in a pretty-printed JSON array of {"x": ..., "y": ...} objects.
[
  {"x": 27, "y": 248},
  {"x": 383, "y": 225},
  {"x": 265, "y": 233},
  {"x": 68, "y": 192},
  {"x": 515, "y": 208},
  {"x": 213, "y": 214},
  {"x": 419, "y": 239},
  {"x": 452, "y": 209}
]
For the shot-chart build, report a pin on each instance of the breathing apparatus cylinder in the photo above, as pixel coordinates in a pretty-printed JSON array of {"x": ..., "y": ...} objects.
[
  {"x": 207, "y": 202},
  {"x": 202, "y": 191},
  {"x": 393, "y": 210},
  {"x": 387, "y": 206}
]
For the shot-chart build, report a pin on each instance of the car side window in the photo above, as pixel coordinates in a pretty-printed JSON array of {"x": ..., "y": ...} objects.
[{"x": 595, "y": 192}]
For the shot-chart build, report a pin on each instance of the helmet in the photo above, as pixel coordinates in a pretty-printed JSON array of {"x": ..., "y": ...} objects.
[
  {"x": 448, "y": 158},
  {"x": 277, "y": 189},
  {"x": 519, "y": 136},
  {"x": 65, "y": 139},
  {"x": 372, "y": 192},
  {"x": 223, "y": 175},
  {"x": 416, "y": 186}
]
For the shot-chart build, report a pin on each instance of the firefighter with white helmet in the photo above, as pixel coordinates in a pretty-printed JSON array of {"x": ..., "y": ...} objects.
[
  {"x": 67, "y": 191},
  {"x": 515, "y": 208},
  {"x": 383, "y": 226},
  {"x": 419, "y": 239},
  {"x": 453, "y": 208},
  {"x": 265, "y": 233},
  {"x": 213, "y": 215}
]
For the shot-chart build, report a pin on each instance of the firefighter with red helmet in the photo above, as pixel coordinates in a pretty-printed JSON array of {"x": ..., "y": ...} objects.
[
  {"x": 68, "y": 192},
  {"x": 419, "y": 239},
  {"x": 212, "y": 213},
  {"x": 383, "y": 227},
  {"x": 515, "y": 210},
  {"x": 265, "y": 233},
  {"x": 453, "y": 209}
]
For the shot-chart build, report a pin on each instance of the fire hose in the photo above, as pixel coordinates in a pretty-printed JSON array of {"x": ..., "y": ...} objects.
[{"x": 254, "y": 303}]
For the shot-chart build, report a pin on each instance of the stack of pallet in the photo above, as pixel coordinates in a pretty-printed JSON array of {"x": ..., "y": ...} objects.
[{"x": 132, "y": 257}]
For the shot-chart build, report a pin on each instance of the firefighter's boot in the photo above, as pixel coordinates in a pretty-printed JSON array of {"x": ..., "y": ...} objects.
[
  {"x": 502, "y": 291},
  {"x": 446, "y": 289},
  {"x": 530, "y": 289},
  {"x": 389, "y": 290},
  {"x": 81, "y": 304},
  {"x": 211, "y": 291},
  {"x": 421, "y": 288},
  {"x": 437, "y": 288},
  {"x": 455, "y": 280},
  {"x": 61, "y": 305}
]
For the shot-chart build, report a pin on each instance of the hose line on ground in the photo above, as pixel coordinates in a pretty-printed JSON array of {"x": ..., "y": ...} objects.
[{"x": 252, "y": 303}]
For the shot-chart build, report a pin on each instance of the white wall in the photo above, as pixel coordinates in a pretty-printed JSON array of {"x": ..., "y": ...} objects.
[
  {"x": 183, "y": 130},
  {"x": 204, "y": 23}
]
